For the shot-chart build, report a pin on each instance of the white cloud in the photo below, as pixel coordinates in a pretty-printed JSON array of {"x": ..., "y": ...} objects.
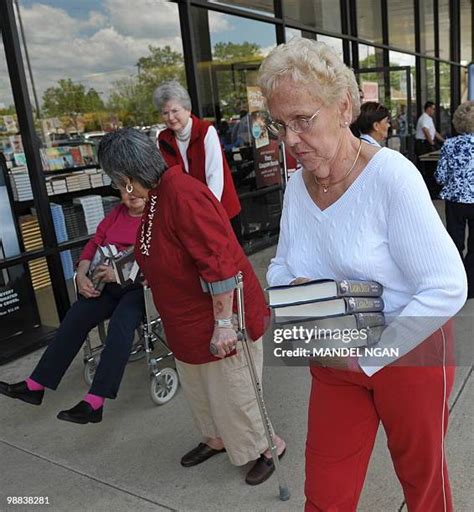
[
  {"x": 218, "y": 22},
  {"x": 98, "y": 50}
]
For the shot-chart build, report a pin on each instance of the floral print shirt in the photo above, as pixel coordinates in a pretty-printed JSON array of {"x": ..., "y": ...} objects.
[{"x": 455, "y": 169}]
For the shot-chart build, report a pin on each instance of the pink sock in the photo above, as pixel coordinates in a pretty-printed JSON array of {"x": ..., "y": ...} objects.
[
  {"x": 96, "y": 402},
  {"x": 32, "y": 385}
]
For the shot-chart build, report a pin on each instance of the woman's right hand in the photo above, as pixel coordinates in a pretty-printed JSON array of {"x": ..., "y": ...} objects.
[
  {"x": 85, "y": 287},
  {"x": 300, "y": 280}
]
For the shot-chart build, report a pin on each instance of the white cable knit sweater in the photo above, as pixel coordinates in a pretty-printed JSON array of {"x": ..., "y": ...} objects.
[{"x": 383, "y": 228}]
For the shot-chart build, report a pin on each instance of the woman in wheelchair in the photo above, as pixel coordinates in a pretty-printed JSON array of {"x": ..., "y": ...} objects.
[{"x": 123, "y": 305}]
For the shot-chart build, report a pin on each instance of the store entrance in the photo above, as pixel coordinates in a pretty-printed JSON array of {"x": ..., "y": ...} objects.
[{"x": 393, "y": 87}]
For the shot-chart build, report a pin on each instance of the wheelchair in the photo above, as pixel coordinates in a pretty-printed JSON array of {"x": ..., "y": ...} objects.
[{"x": 149, "y": 339}]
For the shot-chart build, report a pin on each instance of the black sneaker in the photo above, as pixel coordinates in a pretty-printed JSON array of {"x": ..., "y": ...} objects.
[
  {"x": 82, "y": 413},
  {"x": 20, "y": 391}
]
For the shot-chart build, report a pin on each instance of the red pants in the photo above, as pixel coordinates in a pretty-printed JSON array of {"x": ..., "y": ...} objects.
[{"x": 344, "y": 414}]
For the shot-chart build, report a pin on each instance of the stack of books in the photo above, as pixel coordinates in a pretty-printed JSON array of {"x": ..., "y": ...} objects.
[
  {"x": 93, "y": 211},
  {"x": 109, "y": 203},
  {"x": 75, "y": 221},
  {"x": 62, "y": 236},
  {"x": 331, "y": 305},
  {"x": 21, "y": 186}
]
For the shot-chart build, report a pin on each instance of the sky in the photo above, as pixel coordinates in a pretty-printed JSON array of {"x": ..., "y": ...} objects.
[{"x": 97, "y": 42}]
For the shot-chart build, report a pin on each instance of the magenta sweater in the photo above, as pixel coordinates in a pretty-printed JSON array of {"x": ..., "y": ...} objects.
[{"x": 118, "y": 228}]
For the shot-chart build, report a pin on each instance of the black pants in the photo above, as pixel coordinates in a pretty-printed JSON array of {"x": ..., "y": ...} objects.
[
  {"x": 125, "y": 308},
  {"x": 457, "y": 216}
]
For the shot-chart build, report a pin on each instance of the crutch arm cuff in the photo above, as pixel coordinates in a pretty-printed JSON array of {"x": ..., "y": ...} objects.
[{"x": 217, "y": 287}]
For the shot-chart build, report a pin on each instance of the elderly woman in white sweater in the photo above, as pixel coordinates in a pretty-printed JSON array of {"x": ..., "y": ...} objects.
[{"x": 358, "y": 211}]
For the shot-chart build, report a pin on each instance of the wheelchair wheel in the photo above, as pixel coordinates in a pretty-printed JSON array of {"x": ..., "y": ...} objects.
[
  {"x": 164, "y": 386},
  {"x": 89, "y": 371}
]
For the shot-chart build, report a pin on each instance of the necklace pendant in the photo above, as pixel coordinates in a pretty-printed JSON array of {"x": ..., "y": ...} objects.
[{"x": 325, "y": 189}]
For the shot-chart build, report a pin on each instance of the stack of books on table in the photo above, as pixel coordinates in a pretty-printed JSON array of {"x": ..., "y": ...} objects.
[{"x": 331, "y": 305}]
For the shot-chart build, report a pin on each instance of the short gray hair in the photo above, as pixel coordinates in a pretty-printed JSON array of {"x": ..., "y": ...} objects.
[
  {"x": 313, "y": 64},
  {"x": 131, "y": 154},
  {"x": 463, "y": 118},
  {"x": 171, "y": 90}
]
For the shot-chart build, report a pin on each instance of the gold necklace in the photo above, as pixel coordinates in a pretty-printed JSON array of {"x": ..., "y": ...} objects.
[{"x": 326, "y": 187}]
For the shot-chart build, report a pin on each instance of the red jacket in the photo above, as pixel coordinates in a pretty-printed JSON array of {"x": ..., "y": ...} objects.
[
  {"x": 197, "y": 161},
  {"x": 191, "y": 238}
]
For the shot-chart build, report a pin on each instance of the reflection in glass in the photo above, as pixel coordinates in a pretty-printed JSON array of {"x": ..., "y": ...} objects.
[
  {"x": 445, "y": 98},
  {"x": 427, "y": 45},
  {"x": 467, "y": 52},
  {"x": 371, "y": 83},
  {"x": 369, "y": 20},
  {"x": 250, "y": 6},
  {"x": 444, "y": 25},
  {"x": 401, "y": 24},
  {"x": 319, "y": 14},
  {"x": 95, "y": 66},
  {"x": 229, "y": 55}
]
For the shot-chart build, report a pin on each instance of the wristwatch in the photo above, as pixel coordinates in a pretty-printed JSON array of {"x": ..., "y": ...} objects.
[{"x": 224, "y": 322}]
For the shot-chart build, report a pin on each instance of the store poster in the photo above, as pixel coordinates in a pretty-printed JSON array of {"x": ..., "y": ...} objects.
[
  {"x": 18, "y": 311},
  {"x": 266, "y": 149},
  {"x": 371, "y": 91}
]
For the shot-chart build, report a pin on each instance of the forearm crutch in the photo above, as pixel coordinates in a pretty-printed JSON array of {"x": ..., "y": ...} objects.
[{"x": 242, "y": 336}]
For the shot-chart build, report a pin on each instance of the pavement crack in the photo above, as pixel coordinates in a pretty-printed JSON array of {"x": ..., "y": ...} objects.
[{"x": 85, "y": 475}]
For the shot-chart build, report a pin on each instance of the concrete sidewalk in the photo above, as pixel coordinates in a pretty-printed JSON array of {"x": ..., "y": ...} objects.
[{"x": 130, "y": 461}]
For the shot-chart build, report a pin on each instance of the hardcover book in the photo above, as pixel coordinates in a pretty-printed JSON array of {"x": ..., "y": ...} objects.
[
  {"x": 322, "y": 289},
  {"x": 328, "y": 308}
]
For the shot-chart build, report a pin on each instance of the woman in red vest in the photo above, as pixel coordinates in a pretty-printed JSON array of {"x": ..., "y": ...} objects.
[{"x": 194, "y": 144}]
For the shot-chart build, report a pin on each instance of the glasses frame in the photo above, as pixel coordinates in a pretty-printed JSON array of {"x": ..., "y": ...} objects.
[{"x": 279, "y": 129}]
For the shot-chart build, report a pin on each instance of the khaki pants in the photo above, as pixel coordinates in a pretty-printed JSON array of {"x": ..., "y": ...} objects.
[{"x": 223, "y": 403}]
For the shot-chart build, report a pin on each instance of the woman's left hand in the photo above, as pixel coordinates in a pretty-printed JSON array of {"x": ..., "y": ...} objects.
[
  {"x": 106, "y": 273},
  {"x": 224, "y": 340}
]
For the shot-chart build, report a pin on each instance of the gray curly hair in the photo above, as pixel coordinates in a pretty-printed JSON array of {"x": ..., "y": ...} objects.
[
  {"x": 171, "y": 90},
  {"x": 131, "y": 154},
  {"x": 463, "y": 118},
  {"x": 313, "y": 64}
]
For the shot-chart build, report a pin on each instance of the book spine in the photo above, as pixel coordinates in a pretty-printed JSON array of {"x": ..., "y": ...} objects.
[
  {"x": 364, "y": 320},
  {"x": 363, "y": 304},
  {"x": 348, "y": 288}
]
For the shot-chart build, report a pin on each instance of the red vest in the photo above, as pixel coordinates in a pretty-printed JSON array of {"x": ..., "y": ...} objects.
[{"x": 197, "y": 161}]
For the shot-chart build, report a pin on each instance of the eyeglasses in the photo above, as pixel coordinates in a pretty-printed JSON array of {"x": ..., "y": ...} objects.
[
  {"x": 174, "y": 111},
  {"x": 298, "y": 125}
]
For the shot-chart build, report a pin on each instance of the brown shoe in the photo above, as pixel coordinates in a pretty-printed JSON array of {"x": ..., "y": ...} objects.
[
  {"x": 262, "y": 470},
  {"x": 199, "y": 454}
]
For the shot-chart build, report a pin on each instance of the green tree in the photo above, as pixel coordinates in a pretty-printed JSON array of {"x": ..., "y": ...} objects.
[
  {"x": 70, "y": 99},
  {"x": 233, "y": 64}
]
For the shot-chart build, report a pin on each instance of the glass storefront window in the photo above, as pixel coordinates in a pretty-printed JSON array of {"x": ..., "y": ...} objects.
[
  {"x": 445, "y": 98},
  {"x": 401, "y": 24},
  {"x": 371, "y": 83},
  {"x": 229, "y": 56},
  {"x": 251, "y": 6},
  {"x": 444, "y": 26},
  {"x": 333, "y": 42},
  {"x": 318, "y": 14},
  {"x": 467, "y": 52},
  {"x": 427, "y": 45},
  {"x": 428, "y": 81},
  {"x": 369, "y": 20}
]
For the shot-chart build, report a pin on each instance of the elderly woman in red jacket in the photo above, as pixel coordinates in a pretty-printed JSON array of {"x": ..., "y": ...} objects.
[
  {"x": 194, "y": 144},
  {"x": 124, "y": 306},
  {"x": 185, "y": 247}
]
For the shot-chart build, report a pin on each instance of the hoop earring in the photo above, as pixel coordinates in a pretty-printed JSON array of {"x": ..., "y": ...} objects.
[{"x": 129, "y": 188}]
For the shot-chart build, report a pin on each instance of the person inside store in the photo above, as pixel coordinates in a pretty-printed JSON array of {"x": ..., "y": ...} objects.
[
  {"x": 358, "y": 211},
  {"x": 124, "y": 306},
  {"x": 194, "y": 144},
  {"x": 455, "y": 172},
  {"x": 186, "y": 246},
  {"x": 426, "y": 134},
  {"x": 373, "y": 123}
]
